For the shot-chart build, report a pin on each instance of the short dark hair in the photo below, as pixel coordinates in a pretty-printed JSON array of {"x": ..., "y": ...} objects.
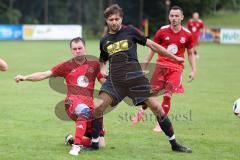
[
  {"x": 176, "y": 8},
  {"x": 113, "y": 9},
  {"x": 77, "y": 39}
]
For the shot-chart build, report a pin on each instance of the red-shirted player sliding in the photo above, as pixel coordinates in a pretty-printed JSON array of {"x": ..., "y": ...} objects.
[
  {"x": 195, "y": 25},
  {"x": 167, "y": 76},
  {"x": 80, "y": 73}
]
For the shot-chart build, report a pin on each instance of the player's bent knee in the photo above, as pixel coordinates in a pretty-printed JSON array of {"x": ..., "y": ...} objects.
[{"x": 82, "y": 111}]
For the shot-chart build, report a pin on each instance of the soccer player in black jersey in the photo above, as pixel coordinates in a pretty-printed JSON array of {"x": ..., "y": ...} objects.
[{"x": 126, "y": 78}]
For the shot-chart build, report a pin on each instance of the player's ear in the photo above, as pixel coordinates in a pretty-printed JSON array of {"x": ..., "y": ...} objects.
[{"x": 182, "y": 16}]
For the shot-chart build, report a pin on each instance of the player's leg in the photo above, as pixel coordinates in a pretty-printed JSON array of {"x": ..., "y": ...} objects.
[
  {"x": 157, "y": 84},
  {"x": 173, "y": 85},
  {"x": 165, "y": 124},
  {"x": 97, "y": 127},
  {"x": 81, "y": 114},
  {"x": 139, "y": 115},
  {"x": 102, "y": 102},
  {"x": 166, "y": 103}
]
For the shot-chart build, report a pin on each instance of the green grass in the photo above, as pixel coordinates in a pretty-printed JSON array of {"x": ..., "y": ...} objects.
[
  {"x": 29, "y": 128},
  {"x": 223, "y": 19}
]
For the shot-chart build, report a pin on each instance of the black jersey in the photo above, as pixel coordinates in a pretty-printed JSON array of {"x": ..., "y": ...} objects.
[{"x": 121, "y": 51}]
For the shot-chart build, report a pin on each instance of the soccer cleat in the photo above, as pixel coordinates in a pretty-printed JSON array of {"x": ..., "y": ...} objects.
[
  {"x": 157, "y": 128},
  {"x": 69, "y": 139},
  {"x": 94, "y": 146},
  {"x": 180, "y": 148},
  {"x": 75, "y": 150},
  {"x": 139, "y": 115}
]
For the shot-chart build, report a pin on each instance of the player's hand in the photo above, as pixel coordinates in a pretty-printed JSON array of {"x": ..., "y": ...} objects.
[
  {"x": 19, "y": 78},
  {"x": 180, "y": 59},
  {"x": 104, "y": 73},
  {"x": 191, "y": 76}
]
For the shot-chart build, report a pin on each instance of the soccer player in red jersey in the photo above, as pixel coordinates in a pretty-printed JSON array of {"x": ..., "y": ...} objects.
[
  {"x": 167, "y": 77},
  {"x": 80, "y": 73},
  {"x": 195, "y": 25},
  {"x": 3, "y": 65}
]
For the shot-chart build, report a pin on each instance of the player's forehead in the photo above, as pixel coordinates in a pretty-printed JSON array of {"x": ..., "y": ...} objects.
[
  {"x": 114, "y": 16},
  {"x": 77, "y": 44},
  {"x": 195, "y": 14},
  {"x": 175, "y": 12}
]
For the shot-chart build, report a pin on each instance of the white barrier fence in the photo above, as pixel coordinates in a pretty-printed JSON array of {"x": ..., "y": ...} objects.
[
  {"x": 230, "y": 36},
  {"x": 40, "y": 32}
]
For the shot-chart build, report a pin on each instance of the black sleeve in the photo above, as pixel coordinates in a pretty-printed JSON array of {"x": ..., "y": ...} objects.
[
  {"x": 138, "y": 36},
  {"x": 103, "y": 55}
]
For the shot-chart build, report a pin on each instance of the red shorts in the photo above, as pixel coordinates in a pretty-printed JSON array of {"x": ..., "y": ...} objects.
[
  {"x": 71, "y": 102},
  {"x": 166, "y": 80}
]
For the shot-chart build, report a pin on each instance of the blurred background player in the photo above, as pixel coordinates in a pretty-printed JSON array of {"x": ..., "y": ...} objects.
[
  {"x": 126, "y": 78},
  {"x": 167, "y": 76},
  {"x": 3, "y": 65},
  {"x": 80, "y": 73},
  {"x": 196, "y": 26}
]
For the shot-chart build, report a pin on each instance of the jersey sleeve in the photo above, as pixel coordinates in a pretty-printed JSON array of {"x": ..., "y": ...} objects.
[
  {"x": 99, "y": 74},
  {"x": 189, "y": 43},
  {"x": 59, "y": 70},
  {"x": 103, "y": 54},
  {"x": 138, "y": 36},
  {"x": 157, "y": 37}
]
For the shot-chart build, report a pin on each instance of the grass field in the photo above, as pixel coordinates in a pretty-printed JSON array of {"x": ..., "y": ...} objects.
[
  {"x": 223, "y": 19},
  {"x": 203, "y": 118}
]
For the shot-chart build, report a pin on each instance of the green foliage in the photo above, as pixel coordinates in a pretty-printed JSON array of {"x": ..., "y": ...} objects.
[{"x": 90, "y": 13}]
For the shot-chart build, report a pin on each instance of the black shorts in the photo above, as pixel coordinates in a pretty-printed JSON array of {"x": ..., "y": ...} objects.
[{"x": 138, "y": 89}]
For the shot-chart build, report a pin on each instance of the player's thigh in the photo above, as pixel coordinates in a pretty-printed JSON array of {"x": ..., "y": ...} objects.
[
  {"x": 158, "y": 78},
  {"x": 175, "y": 79},
  {"x": 103, "y": 100}
]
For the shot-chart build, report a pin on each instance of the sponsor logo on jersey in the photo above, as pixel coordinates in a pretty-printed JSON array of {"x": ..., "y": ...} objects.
[
  {"x": 173, "y": 48},
  {"x": 194, "y": 29},
  {"x": 118, "y": 46},
  {"x": 82, "y": 81}
]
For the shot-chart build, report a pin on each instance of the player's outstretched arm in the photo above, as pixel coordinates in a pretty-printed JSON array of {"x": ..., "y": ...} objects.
[
  {"x": 192, "y": 62},
  {"x": 3, "y": 65},
  {"x": 161, "y": 50},
  {"x": 38, "y": 76}
]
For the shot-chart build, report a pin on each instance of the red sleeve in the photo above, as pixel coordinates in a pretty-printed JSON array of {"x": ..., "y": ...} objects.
[
  {"x": 157, "y": 37},
  {"x": 99, "y": 76},
  {"x": 59, "y": 70},
  {"x": 189, "y": 43}
]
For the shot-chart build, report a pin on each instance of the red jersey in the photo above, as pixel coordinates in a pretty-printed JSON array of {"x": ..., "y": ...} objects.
[
  {"x": 176, "y": 43},
  {"x": 195, "y": 27},
  {"x": 79, "y": 78}
]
